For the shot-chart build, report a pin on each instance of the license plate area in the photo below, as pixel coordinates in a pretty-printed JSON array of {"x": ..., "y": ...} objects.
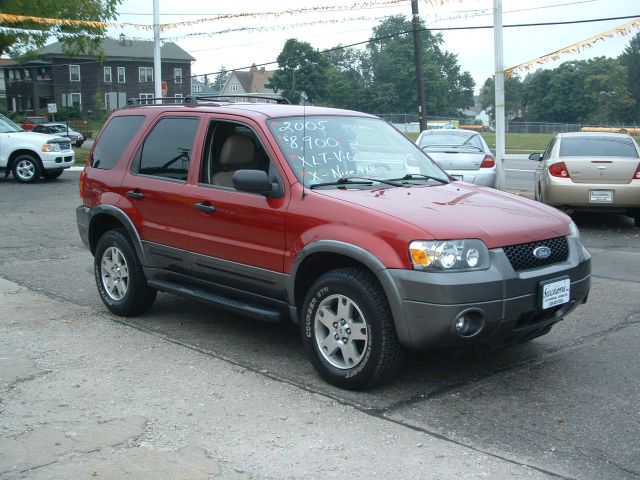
[
  {"x": 601, "y": 196},
  {"x": 554, "y": 292}
]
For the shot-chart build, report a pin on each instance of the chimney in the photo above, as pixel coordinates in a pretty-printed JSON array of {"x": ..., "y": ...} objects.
[{"x": 123, "y": 39}]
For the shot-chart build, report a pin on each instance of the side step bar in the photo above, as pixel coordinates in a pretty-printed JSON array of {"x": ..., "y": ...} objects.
[{"x": 256, "y": 311}]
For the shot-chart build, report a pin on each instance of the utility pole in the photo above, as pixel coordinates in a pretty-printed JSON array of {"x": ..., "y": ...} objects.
[
  {"x": 499, "y": 91},
  {"x": 417, "y": 50},
  {"x": 157, "y": 68}
]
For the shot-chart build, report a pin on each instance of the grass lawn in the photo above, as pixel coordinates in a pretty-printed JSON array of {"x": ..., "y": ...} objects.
[
  {"x": 516, "y": 142},
  {"x": 81, "y": 156}
]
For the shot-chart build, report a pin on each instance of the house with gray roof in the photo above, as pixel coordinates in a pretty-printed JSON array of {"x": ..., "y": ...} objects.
[
  {"x": 91, "y": 84},
  {"x": 241, "y": 83}
]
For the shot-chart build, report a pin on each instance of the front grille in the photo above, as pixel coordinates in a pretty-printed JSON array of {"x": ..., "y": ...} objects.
[{"x": 522, "y": 258}]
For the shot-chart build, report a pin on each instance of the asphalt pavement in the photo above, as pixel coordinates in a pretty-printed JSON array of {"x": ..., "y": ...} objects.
[{"x": 188, "y": 391}]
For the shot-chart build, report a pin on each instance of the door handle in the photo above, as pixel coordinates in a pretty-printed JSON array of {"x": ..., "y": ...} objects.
[
  {"x": 137, "y": 194},
  {"x": 204, "y": 207}
]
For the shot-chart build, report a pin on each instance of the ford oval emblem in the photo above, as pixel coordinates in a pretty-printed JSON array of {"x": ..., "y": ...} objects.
[{"x": 542, "y": 252}]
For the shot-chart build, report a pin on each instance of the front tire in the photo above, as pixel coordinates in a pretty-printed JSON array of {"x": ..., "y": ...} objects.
[
  {"x": 26, "y": 169},
  {"x": 119, "y": 277},
  {"x": 348, "y": 330}
]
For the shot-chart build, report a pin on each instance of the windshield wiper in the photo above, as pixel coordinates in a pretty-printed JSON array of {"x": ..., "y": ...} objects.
[
  {"x": 415, "y": 176},
  {"x": 355, "y": 180}
]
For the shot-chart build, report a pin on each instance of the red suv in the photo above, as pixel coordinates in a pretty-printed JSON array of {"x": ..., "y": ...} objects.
[
  {"x": 30, "y": 122},
  {"x": 328, "y": 218}
]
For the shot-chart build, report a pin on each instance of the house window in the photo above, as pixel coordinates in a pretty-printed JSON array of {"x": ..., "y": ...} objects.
[
  {"x": 145, "y": 74},
  {"x": 11, "y": 77},
  {"x": 178, "y": 95},
  {"x": 197, "y": 88},
  {"x": 121, "y": 77},
  {"x": 27, "y": 74},
  {"x": 74, "y": 73},
  {"x": 76, "y": 100},
  {"x": 177, "y": 75},
  {"x": 146, "y": 95},
  {"x": 107, "y": 74},
  {"x": 234, "y": 87}
]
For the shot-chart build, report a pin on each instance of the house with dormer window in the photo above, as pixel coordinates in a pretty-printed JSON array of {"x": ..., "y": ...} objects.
[{"x": 242, "y": 82}]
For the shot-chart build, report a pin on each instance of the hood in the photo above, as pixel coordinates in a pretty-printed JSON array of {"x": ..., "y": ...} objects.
[
  {"x": 43, "y": 137},
  {"x": 462, "y": 210}
]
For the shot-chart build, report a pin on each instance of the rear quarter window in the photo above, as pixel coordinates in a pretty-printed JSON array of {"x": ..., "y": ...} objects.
[
  {"x": 597, "y": 147},
  {"x": 114, "y": 139}
]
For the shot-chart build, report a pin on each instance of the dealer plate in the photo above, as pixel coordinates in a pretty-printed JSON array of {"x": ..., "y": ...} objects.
[
  {"x": 601, "y": 196},
  {"x": 554, "y": 292}
]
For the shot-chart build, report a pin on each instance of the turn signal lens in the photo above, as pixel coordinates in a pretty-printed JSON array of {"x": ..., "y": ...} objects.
[
  {"x": 559, "y": 170},
  {"x": 488, "y": 162},
  {"x": 420, "y": 258}
]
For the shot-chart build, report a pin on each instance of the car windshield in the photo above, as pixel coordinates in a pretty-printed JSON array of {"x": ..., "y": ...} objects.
[
  {"x": 444, "y": 138},
  {"x": 37, "y": 120},
  {"x": 327, "y": 149},
  {"x": 59, "y": 128},
  {"x": 593, "y": 146},
  {"x": 7, "y": 126}
]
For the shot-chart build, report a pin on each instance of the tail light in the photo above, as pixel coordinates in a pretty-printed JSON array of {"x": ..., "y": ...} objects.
[
  {"x": 81, "y": 184},
  {"x": 488, "y": 162},
  {"x": 559, "y": 170},
  {"x": 636, "y": 176}
]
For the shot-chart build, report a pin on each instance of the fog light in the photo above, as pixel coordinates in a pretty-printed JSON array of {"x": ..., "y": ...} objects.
[{"x": 469, "y": 324}]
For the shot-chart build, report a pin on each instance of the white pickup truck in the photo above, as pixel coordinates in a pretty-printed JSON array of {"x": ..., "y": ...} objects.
[{"x": 30, "y": 156}]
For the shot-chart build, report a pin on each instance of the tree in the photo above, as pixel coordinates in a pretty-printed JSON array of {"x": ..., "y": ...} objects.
[
  {"x": 391, "y": 60},
  {"x": 220, "y": 79},
  {"x": 513, "y": 93},
  {"x": 24, "y": 38},
  {"x": 301, "y": 69},
  {"x": 631, "y": 60}
]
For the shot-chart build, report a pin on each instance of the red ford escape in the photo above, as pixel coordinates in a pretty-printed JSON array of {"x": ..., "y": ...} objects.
[{"x": 328, "y": 218}]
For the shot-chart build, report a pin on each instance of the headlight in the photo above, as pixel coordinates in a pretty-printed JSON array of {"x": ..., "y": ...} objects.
[
  {"x": 51, "y": 147},
  {"x": 449, "y": 255}
]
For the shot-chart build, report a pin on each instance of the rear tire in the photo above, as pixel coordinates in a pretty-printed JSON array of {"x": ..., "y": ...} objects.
[
  {"x": 26, "y": 169},
  {"x": 348, "y": 330},
  {"x": 119, "y": 276}
]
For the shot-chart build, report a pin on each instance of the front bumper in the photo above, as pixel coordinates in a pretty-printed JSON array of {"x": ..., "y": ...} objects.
[
  {"x": 426, "y": 305},
  {"x": 57, "y": 160}
]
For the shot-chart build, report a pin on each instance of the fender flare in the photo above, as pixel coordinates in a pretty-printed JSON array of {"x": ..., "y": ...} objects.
[{"x": 124, "y": 220}]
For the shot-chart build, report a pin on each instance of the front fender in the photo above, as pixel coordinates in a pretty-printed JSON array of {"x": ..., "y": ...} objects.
[{"x": 122, "y": 217}]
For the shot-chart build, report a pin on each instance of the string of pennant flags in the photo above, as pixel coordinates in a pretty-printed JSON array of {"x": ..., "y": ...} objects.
[
  {"x": 12, "y": 19},
  {"x": 621, "y": 30}
]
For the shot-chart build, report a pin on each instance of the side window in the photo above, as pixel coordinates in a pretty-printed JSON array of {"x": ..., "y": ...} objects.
[
  {"x": 114, "y": 139},
  {"x": 166, "y": 152},
  {"x": 547, "y": 152},
  {"x": 230, "y": 147}
]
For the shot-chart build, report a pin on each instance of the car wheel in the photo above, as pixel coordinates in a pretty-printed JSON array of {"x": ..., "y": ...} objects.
[
  {"x": 51, "y": 174},
  {"x": 121, "y": 282},
  {"x": 348, "y": 330},
  {"x": 26, "y": 169}
]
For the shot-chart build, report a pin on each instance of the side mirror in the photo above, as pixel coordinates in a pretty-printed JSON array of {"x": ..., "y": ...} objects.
[
  {"x": 535, "y": 156},
  {"x": 256, "y": 181}
]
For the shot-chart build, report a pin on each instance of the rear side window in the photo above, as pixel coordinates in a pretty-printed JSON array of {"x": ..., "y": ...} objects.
[
  {"x": 114, "y": 139},
  {"x": 597, "y": 147},
  {"x": 166, "y": 152}
]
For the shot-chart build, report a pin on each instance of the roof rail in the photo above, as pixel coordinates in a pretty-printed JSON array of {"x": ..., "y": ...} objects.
[
  {"x": 134, "y": 102},
  {"x": 277, "y": 99}
]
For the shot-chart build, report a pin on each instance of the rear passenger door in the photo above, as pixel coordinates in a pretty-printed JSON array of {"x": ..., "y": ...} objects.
[
  {"x": 154, "y": 190},
  {"x": 237, "y": 238}
]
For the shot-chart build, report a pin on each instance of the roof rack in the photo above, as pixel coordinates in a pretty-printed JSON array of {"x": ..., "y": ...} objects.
[
  {"x": 242, "y": 96},
  {"x": 134, "y": 102},
  {"x": 200, "y": 99}
]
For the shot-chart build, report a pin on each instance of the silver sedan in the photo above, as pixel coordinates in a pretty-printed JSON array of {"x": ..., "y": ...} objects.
[{"x": 463, "y": 154}]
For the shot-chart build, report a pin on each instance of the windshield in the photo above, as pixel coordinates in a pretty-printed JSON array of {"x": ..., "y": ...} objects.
[
  {"x": 7, "y": 126},
  {"x": 325, "y": 149},
  {"x": 59, "y": 128},
  {"x": 444, "y": 138}
]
